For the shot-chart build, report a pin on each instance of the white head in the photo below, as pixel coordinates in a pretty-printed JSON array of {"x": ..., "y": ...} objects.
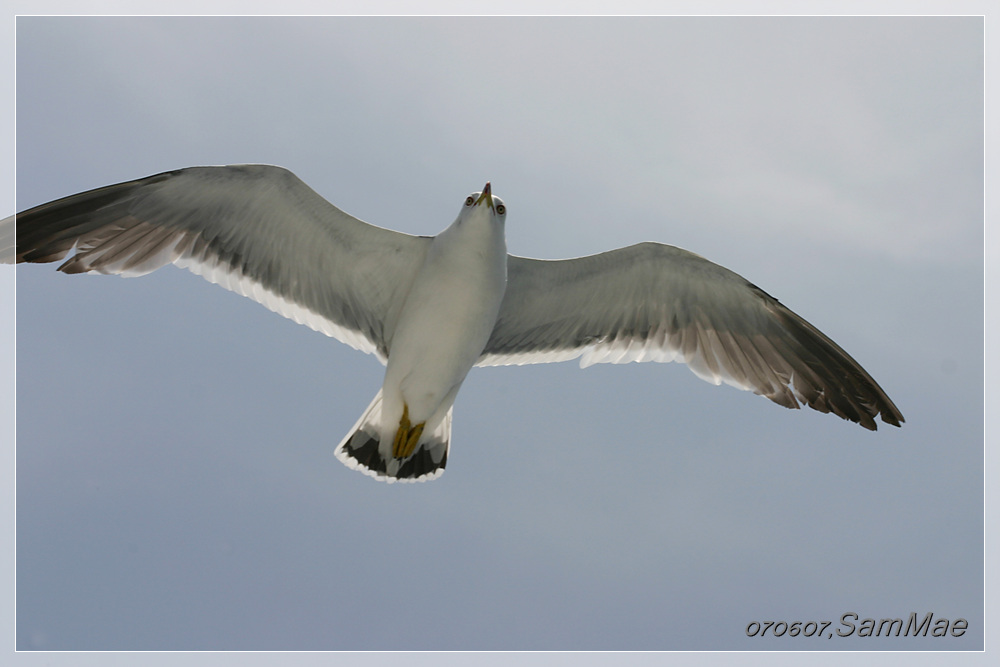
[{"x": 483, "y": 205}]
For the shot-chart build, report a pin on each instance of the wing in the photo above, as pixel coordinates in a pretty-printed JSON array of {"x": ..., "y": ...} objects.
[
  {"x": 653, "y": 302},
  {"x": 254, "y": 229}
]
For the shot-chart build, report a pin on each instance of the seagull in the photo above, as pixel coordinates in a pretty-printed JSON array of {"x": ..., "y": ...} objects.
[{"x": 431, "y": 308}]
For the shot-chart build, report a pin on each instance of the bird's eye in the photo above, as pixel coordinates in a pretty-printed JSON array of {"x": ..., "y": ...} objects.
[
  {"x": 501, "y": 209},
  {"x": 470, "y": 200}
]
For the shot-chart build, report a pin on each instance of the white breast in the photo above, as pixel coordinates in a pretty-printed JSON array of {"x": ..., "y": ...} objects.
[{"x": 446, "y": 320}]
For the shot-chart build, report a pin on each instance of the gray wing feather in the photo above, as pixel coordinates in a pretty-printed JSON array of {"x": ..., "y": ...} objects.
[
  {"x": 255, "y": 229},
  {"x": 653, "y": 302}
]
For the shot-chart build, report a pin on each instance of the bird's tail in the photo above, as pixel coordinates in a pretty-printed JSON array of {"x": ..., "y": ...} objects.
[{"x": 365, "y": 450}]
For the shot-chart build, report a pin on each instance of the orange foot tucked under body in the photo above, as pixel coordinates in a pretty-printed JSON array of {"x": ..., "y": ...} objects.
[{"x": 407, "y": 436}]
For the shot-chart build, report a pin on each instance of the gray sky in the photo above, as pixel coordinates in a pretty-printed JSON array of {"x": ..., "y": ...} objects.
[{"x": 176, "y": 485}]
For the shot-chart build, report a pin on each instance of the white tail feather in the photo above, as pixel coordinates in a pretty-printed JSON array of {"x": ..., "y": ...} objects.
[{"x": 363, "y": 449}]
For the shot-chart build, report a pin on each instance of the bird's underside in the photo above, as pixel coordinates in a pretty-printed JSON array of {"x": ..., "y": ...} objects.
[{"x": 259, "y": 231}]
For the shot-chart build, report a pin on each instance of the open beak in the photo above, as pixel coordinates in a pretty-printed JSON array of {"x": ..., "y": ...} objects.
[{"x": 486, "y": 195}]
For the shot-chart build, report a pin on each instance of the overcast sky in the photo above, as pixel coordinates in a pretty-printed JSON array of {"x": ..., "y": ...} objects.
[{"x": 176, "y": 485}]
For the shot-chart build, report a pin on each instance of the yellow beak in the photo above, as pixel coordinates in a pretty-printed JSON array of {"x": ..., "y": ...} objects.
[{"x": 487, "y": 196}]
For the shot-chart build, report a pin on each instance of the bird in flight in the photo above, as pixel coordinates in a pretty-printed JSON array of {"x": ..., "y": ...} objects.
[{"x": 431, "y": 308}]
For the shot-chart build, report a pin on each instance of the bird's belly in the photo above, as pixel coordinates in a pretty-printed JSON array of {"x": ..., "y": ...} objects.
[{"x": 445, "y": 323}]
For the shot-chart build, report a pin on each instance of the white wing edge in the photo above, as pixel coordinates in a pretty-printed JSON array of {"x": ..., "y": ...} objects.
[
  {"x": 234, "y": 281},
  {"x": 621, "y": 351}
]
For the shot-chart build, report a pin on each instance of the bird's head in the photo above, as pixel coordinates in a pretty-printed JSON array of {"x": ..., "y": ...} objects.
[{"x": 483, "y": 204}]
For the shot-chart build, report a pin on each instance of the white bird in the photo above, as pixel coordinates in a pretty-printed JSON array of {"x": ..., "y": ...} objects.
[{"x": 432, "y": 308}]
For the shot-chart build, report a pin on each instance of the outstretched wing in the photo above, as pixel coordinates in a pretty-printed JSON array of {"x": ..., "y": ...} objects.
[
  {"x": 653, "y": 302},
  {"x": 254, "y": 229}
]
